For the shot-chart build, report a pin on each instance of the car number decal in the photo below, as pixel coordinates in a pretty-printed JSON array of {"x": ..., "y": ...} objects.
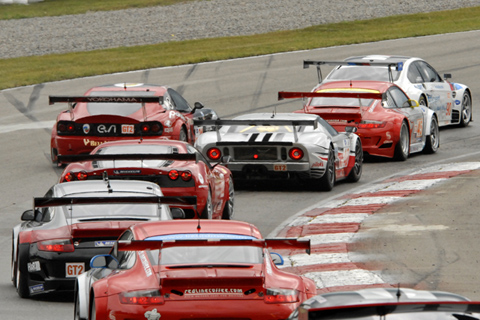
[{"x": 73, "y": 269}]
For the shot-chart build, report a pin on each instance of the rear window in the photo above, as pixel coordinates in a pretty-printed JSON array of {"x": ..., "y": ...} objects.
[
  {"x": 362, "y": 73},
  {"x": 119, "y": 109}
]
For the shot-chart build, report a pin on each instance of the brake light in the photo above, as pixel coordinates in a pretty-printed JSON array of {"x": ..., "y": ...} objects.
[
  {"x": 71, "y": 176},
  {"x": 145, "y": 128},
  {"x": 295, "y": 153},
  {"x": 173, "y": 174},
  {"x": 66, "y": 127},
  {"x": 146, "y": 297},
  {"x": 61, "y": 245},
  {"x": 281, "y": 296},
  {"x": 371, "y": 124},
  {"x": 186, "y": 176},
  {"x": 214, "y": 153}
]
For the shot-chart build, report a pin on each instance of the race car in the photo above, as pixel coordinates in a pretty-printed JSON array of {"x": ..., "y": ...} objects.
[
  {"x": 187, "y": 269},
  {"x": 120, "y": 112},
  {"x": 387, "y": 304},
  {"x": 75, "y": 221},
  {"x": 388, "y": 122},
  {"x": 452, "y": 102},
  {"x": 176, "y": 166},
  {"x": 283, "y": 146}
]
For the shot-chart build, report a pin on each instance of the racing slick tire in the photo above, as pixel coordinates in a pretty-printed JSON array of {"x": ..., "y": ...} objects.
[
  {"x": 402, "y": 149},
  {"x": 13, "y": 266},
  {"x": 356, "y": 172},
  {"x": 183, "y": 135},
  {"x": 208, "y": 210},
  {"x": 466, "y": 112},
  {"x": 93, "y": 309},
  {"x": 327, "y": 181},
  {"x": 228, "y": 211},
  {"x": 422, "y": 101},
  {"x": 76, "y": 310},
  {"x": 22, "y": 273},
  {"x": 433, "y": 139}
]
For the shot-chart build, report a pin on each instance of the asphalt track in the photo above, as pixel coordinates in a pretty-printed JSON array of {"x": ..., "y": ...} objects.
[{"x": 413, "y": 255}]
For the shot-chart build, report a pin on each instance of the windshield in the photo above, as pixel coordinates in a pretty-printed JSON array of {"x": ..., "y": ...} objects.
[
  {"x": 344, "y": 102},
  {"x": 134, "y": 149},
  {"x": 362, "y": 73},
  {"x": 120, "y": 109}
]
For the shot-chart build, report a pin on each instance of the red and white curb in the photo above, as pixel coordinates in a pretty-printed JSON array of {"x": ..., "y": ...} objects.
[{"x": 330, "y": 227}]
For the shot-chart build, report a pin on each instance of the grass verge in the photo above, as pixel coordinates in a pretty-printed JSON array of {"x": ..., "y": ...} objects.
[{"x": 38, "y": 69}]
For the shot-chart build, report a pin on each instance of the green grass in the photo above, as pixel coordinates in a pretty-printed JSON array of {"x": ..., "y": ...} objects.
[
  {"x": 65, "y": 7},
  {"x": 38, "y": 69}
]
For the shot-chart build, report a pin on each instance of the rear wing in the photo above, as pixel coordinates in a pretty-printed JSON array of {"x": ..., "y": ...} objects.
[
  {"x": 141, "y": 245},
  {"x": 265, "y": 122},
  {"x": 397, "y": 65},
  {"x": 105, "y": 99},
  {"x": 360, "y": 95},
  {"x": 185, "y": 201},
  {"x": 137, "y": 156},
  {"x": 382, "y": 309}
]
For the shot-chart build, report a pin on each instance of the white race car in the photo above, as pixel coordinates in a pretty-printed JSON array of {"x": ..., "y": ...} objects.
[
  {"x": 452, "y": 102},
  {"x": 284, "y": 145}
]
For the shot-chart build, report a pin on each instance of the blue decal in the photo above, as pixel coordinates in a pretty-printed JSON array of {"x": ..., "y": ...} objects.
[
  {"x": 182, "y": 236},
  {"x": 457, "y": 102},
  {"x": 107, "y": 243},
  {"x": 400, "y": 66},
  {"x": 457, "y": 86},
  {"x": 36, "y": 288}
]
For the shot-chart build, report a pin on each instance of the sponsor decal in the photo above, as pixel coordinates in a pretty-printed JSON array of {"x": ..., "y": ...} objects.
[
  {"x": 112, "y": 99},
  {"x": 33, "y": 266},
  {"x": 111, "y": 315},
  {"x": 92, "y": 143},
  {"x": 172, "y": 114},
  {"x": 152, "y": 315},
  {"x": 146, "y": 266},
  {"x": 213, "y": 291},
  {"x": 167, "y": 123},
  {"x": 317, "y": 165},
  {"x": 104, "y": 129},
  {"x": 200, "y": 178},
  {"x": 106, "y": 243},
  {"x": 457, "y": 102},
  {"x": 36, "y": 288},
  {"x": 73, "y": 269},
  {"x": 168, "y": 130},
  {"x": 268, "y": 266},
  {"x": 128, "y": 129},
  {"x": 86, "y": 128},
  {"x": 388, "y": 135},
  {"x": 127, "y": 171}
]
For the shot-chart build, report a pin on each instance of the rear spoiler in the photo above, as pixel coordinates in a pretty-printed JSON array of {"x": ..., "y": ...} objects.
[
  {"x": 137, "y": 156},
  {"x": 185, "y": 201},
  {"x": 360, "y": 95},
  {"x": 382, "y": 309},
  {"x": 397, "y": 65},
  {"x": 141, "y": 245},
  {"x": 104, "y": 99},
  {"x": 265, "y": 122}
]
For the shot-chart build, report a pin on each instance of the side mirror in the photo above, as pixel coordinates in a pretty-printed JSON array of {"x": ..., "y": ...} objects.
[
  {"x": 104, "y": 261},
  {"x": 197, "y": 106},
  {"x": 277, "y": 259},
  {"x": 28, "y": 215},
  {"x": 177, "y": 213},
  {"x": 223, "y": 160},
  {"x": 410, "y": 103},
  {"x": 447, "y": 76}
]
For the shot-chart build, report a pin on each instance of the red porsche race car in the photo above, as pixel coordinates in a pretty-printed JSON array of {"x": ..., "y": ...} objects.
[
  {"x": 123, "y": 111},
  {"x": 189, "y": 269},
  {"x": 388, "y": 123},
  {"x": 176, "y": 166}
]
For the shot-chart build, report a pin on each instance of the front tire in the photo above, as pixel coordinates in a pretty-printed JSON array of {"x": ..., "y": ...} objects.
[
  {"x": 466, "y": 113},
  {"x": 228, "y": 212},
  {"x": 402, "y": 149},
  {"x": 356, "y": 172},
  {"x": 433, "y": 139}
]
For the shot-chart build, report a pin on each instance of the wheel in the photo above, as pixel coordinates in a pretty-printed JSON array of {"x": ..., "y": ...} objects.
[
  {"x": 183, "y": 135},
  {"x": 403, "y": 145},
  {"x": 356, "y": 172},
  {"x": 22, "y": 273},
  {"x": 466, "y": 113},
  {"x": 53, "y": 156},
  {"x": 422, "y": 101},
  {"x": 433, "y": 139},
  {"x": 228, "y": 209},
  {"x": 76, "y": 310},
  {"x": 13, "y": 266},
  {"x": 93, "y": 309},
  {"x": 327, "y": 181},
  {"x": 208, "y": 210}
]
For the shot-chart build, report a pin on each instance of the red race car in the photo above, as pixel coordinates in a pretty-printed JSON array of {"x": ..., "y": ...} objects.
[
  {"x": 189, "y": 269},
  {"x": 388, "y": 122},
  {"x": 123, "y": 111},
  {"x": 176, "y": 166}
]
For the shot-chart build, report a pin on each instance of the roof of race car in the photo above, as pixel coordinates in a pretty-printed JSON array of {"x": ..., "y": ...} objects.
[
  {"x": 151, "y": 229},
  {"x": 277, "y": 116},
  {"x": 356, "y": 85},
  {"x": 77, "y": 188}
]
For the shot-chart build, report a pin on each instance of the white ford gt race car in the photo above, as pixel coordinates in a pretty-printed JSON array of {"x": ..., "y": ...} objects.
[
  {"x": 284, "y": 145},
  {"x": 452, "y": 102}
]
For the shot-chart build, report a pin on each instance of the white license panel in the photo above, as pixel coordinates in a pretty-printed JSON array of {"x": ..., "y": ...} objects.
[
  {"x": 128, "y": 129},
  {"x": 73, "y": 269},
  {"x": 279, "y": 167}
]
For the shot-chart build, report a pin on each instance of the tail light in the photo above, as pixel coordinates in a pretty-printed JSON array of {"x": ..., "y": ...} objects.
[
  {"x": 66, "y": 127},
  {"x": 71, "y": 176},
  {"x": 173, "y": 174},
  {"x": 214, "y": 153},
  {"x": 145, "y": 297},
  {"x": 281, "y": 296},
  {"x": 151, "y": 128},
  {"x": 371, "y": 124},
  {"x": 186, "y": 176},
  {"x": 59, "y": 245},
  {"x": 295, "y": 153}
]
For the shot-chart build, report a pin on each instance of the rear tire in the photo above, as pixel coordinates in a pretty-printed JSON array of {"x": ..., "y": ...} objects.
[
  {"x": 466, "y": 113},
  {"x": 402, "y": 149},
  {"x": 356, "y": 172},
  {"x": 327, "y": 181},
  {"x": 22, "y": 273},
  {"x": 183, "y": 135},
  {"x": 208, "y": 210},
  {"x": 228, "y": 211},
  {"x": 433, "y": 139}
]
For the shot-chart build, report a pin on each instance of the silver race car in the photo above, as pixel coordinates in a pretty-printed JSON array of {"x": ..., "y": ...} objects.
[{"x": 284, "y": 145}]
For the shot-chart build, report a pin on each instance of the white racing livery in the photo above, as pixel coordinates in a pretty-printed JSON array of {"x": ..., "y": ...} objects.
[
  {"x": 452, "y": 102},
  {"x": 284, "y": 145}
]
